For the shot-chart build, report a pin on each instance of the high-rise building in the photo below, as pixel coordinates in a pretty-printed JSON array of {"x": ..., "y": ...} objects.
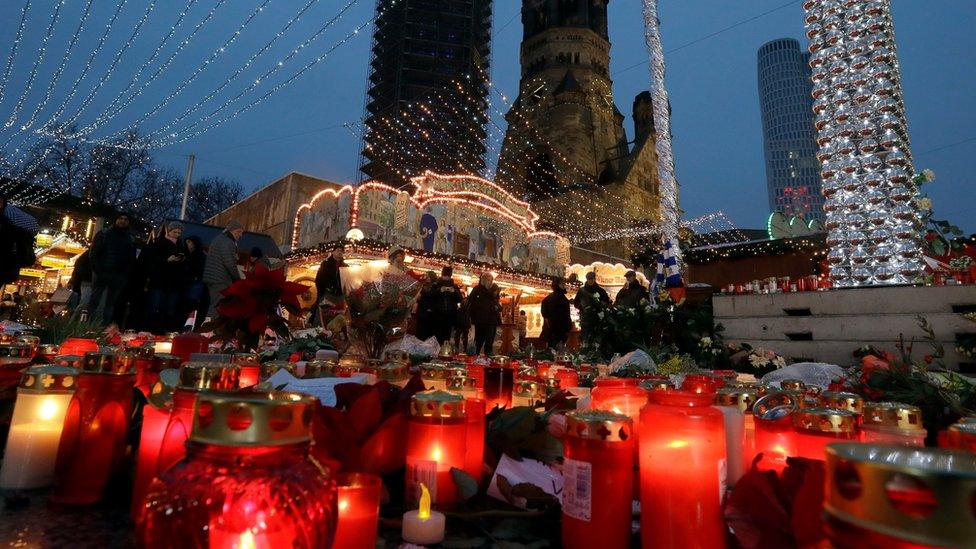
[
  {"x": 789, "y": 137},
  {"x": 428, "y": 89}
]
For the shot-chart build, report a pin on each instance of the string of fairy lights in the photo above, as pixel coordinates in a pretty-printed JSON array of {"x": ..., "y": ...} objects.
[
  {"x": 37, "y": 63},
  {"x": 13, "y": 50}
]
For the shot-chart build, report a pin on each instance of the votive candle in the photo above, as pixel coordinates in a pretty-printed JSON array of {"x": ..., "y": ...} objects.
[
  {"x": 436, "y": 442},
  {"x": 359, "y": 510}
]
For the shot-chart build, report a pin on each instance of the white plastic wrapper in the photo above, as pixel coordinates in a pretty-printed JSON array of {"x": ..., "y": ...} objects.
[
  {"x": 816, "y": 374},
  {"x": 636, "y": 358},
  {"x": 414, "y": 346}
]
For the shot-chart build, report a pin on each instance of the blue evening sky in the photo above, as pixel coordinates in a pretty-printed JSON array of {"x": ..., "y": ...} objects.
[{"x": 711, "y": 79}]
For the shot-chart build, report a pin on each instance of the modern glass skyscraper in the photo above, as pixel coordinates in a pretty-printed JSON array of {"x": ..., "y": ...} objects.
[{"x": 789, "y": 136}]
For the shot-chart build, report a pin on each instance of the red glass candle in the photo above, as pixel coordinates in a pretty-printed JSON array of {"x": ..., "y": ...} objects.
[
  {"x": 477, "y": 371},
  {"x": 250, "y": 368},
  {"x": 247, "y": 479},
  {"x": 599, "y": 475},
  {"x": 93, "y": 440},
  {"x": 499, "y": 384},
  {"x": 166, "y": 422},
  {"x": 775, "y": 437},
  {"x": 892, "y": 423},
  {"x": 474, "y": 447},
  {"x": 436, "y": 441},
  {"x": 186, "y": 344},
  {"x": 702, "y": 383},
  {"x": 78, "y": 346},
  {"x": 619, "y": 395},
  {"x": 817, "y": 427},
  {"x": 962, "y": 436},
  {"x": 359, "y": 511},
  {"x": 682, "y": 471},
  {"x": 567, "y": 376},
  {"x": 146, "y": 374}
]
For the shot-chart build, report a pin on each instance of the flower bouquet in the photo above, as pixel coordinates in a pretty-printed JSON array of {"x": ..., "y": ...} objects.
[
  {"x": 757, "y": 361},
  {"x": 253, "y": 305},
  {"x": 377, "y": 313}
]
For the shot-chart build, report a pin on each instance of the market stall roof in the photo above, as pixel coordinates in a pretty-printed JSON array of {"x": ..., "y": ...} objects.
[{"x": 206, "y": 233}]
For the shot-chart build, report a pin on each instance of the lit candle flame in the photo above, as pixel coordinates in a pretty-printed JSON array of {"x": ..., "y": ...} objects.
[
  {"x": 247, "y": 540},
  {"x": 343, "y": 504},
  {"x": 674, "y": 444},
  {"x": 424, "y": 511},
  {"x": 48, "y": 409},
  {"x": 435, "y": 454},
  {"x": 617, "y": 410}
]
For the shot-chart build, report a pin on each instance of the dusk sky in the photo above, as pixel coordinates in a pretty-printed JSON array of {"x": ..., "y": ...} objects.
[{"x": 710, "y": 52}]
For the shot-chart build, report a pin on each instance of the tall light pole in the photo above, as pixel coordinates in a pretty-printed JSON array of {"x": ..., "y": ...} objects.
[{"x": 186, "y": 185}]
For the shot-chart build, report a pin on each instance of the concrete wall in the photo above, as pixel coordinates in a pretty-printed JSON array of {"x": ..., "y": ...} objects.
[{"x": 835, "y": 323}]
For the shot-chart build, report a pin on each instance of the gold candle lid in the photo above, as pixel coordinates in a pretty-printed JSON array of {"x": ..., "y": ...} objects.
[
  {"x": 436, "y": 403},
  {"x": 48, "y": 379},
  {"x": 245, "y": 359},
  {"x": 252, "y": 418},
  {"x": 842, "y": 401},
  {"x": 775, "y": 405},
  {"x": 552, "y": 383},
  {"x": 599, "y": 425},
  {"x": 139, "y": 352},
  {"x": 209, "y": 376},
  {"x": 792, "y": 385},
  {"x": 529, "y": 388},
  {"x": 825, "y": 420},
  {"x": 759, "y": 388},
  {"x": 892, "y": 415},
  {"x": 433, "y": 370},
  {"x": 16, "y": 349},
  {"x": 863, "y": 482},
  {"x": 108, "y": 363},
  {"x": 268, "y": 369},
  {"x": 71, "y": 361},
  {"x": 397, "y": 355},
  {"x": 166, "y": 361},
  {"x": 462, "y": 383},
  {"x": 393, "y": 371},
  {"x": 654, "y": 384},
  {"x": 737, "y": 397},
  {"x": 29, "y": 339},
  {"x": 320, "y": 368}
]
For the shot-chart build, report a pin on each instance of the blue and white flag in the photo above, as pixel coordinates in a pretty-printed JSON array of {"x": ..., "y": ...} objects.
[{"x": 668, "y": 271}]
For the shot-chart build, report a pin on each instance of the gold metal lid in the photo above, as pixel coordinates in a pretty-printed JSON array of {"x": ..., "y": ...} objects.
[
  {"x": 209, "y": 376},
  {"x": 397, "y": 355},
  {"x": 737, "y": 397},
  {"x": 436, "y": 403},
  {"x": 167, "y": 361},
  {"x": 142, "y": 352},
  {"x": 29, "y": 339},
  {"x": 842, "y": 401},
  {"x": 320, "y": 368},
  {"x": 252, "y": 418},
  {"x": 775, "y": 405},
  {"x": 462, "y": 383},
  {"x": 599, "y": 425},
  {"x": 919, "y": 495},
  {"x": 792, "y": 385},
  {"x": 433, "y": 370},
  {"x": 529, "y": 388},
  {"x": 108, "y": 363},
  {"x": 48, "y": 349},
  {"x": 16, "y": 349},
  {"x": 393, "y": 371},
  {"x": 48, "y": 379},
  {"x": 654, "y": 384},
  {"x": 245, "y": 359},
  {"x": 892, "y": 415},
  {"x": 268, "y": 369},
  {"x": 72, "y": 361},
  {"x": 759, "y": 388},
  {"x": 826, "y": 420}
]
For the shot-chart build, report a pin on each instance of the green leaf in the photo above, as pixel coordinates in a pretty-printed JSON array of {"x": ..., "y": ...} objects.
[
  {"x": 466, "y": 484},
  {"x": 512, "y": 528}
]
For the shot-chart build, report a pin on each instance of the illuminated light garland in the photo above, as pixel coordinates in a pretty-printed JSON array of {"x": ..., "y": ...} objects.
[
  {"x": 273, "y": 90},
  {"x": 13, "y": 49},
  {"x": 113, "y": 107},
  {"x": 37, "y": 62},
  {"x": 661, "y": 107},
  {"x": 268, "y": 73},
  {"x": 866, "y": 163}
]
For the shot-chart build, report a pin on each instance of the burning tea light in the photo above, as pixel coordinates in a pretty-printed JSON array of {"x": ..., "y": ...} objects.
[{"x": 423, "y": 526}]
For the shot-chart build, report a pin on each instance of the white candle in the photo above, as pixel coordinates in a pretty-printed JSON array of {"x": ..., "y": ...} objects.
[
  {"x": 32, "y": 445},
  {"x": 423, "y": 526},
  {"x": 163, "y": 347},
  {"x": 734, "y": 442}
]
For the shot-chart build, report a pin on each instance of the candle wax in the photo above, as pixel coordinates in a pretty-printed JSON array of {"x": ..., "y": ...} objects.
[{"x": 31, "y": 453}]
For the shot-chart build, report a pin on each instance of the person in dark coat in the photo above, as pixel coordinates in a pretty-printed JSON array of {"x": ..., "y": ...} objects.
[
  {"x": 424, "y": 327},
  {"x": 328, "y": 283},
  {"x": 445, "y": 298},
  {"x": 632, "y": 294},
  {"x": 113, "y": 253},
  {"x": 594, "y": 290},
  {"x": 165, "y": 269},
  {"x": 195, "y": 297},
  {"x": 484, "y": 306},
  {"x": 220, "y": 270},
  {"x": 556, "y": 322}
]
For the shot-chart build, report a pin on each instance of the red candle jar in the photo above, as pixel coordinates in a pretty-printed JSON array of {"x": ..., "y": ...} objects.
[
  {"x": 839, "y": 400},
  {"x": 168, "y": 418},
  {"x": 567, "y": 376},
  {"x": 682, "y": 471},
  {"x": 250, "y": 368},
  {"x": 474, "y": 447},
  {"x": 247, "y": 479},
  {"x": 702, "y": 383},
  {"x": 817, "y": 427},
  {"x": 890, "y": 496},
  {"x": 655, "y": 384},
  {"x": 436, "y": 441},
  {"x": 499, "y": 384},
  {"x": 186, "y": 344},
  {"x": 78, "y": 346},
  {"x": 528, "y": 392},
  {"x": 619, "y": 395},
  {"x": 359, "y": 511},
  {"x": 477, "y": 371},
  {"x": 599, "y": 475},
  {"x": 146, "y": 374},
  {"x": 892, "y": 423},
  {"x": 961, "y": 436},
  {"x": 775, "y": 438},
  {"x": 93, "y": 439}
]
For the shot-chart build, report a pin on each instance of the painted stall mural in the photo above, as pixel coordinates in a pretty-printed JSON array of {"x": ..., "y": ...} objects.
[{"x": 464, "y": 216}]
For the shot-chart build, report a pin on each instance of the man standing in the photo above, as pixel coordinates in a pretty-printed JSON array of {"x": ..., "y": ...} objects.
[
  {"x": 590, "y": 300},
  {"x": 220, "y": 269},
  {"x": 112, "y": 254},
  {"x": 484, "y": 306},
  {"x": 165, "y": 258},
  {"x": 632, "y": 294},
  {"x": 328, "y": 283},
  {"x": 446, "y": 297},
  {"x": 556, "y": 322}
]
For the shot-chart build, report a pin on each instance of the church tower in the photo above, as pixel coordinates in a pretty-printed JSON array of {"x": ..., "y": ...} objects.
[{"x": 565, "y": 132}]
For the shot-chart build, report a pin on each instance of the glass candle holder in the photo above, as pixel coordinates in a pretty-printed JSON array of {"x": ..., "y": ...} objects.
[
  {"x": 250, "y": 369},
  {"x": 817, "y": 427},
  {"x": 149, "y": 377},
  {"x": 892, "y": 423},
  {"x": 961, "y": 436},
  {"x": 395, "y": 373},
  {"x": 167, "y": 421},
  {"x": 567, "y": 377},
  {"x": 702, "y": 383},
  {"x": 474, "y": 447},
  {"x": 528, "y": 392},
  {"x": 499, "y": 384},
  {"x": 775, "y": 438},
  {"x": 792, "y": 385},
  {"x": 186, "y": 344},
  {"x": 434, "y": 375},
  {"x": 599, "y": 475},
  {"x": 893, "y": 496},
  {"x": 740, "y": 429},
  {"x": 465, "y": 385},
  {"x": 247, "y": 480},
  {"x": 839, "y": 400},
  {"x": 682, "y": 471},
  {"x": 15, "y": 353},
  {"x": 436, "y": 441},
  {"x": 146, "y": 374},
  {"x": 35, "y": 427},
  {"x": 359, "y": 510},
  {"x": 93, "y": 440},
  {"x": 78, "y": 346}
]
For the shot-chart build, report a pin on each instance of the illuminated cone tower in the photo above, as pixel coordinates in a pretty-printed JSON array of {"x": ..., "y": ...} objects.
[{"x": 864, "y": 149}]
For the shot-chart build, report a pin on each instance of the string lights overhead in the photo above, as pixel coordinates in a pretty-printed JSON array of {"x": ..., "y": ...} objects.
[
  {"x": 37, "y": 63},
  {"x": 13, "y": 50}
]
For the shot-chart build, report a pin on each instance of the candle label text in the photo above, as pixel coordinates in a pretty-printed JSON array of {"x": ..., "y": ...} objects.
[{"x": 577, "y": 491}]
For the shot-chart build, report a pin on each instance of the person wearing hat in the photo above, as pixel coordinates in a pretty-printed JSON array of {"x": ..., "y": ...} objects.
[
  {"x": 397, "y": 256},
  {"x": 165, "y": 260},
  {"x": 590, "y": 300},
  {"x": 445, "y": 298},
  {"x": 632, "y": 294},
  {"x": 220, "y": 270},
  {"x": 113, "y": 253},
  {"x": 328, "y": 282},
  {"x": 556, "y": 322}
]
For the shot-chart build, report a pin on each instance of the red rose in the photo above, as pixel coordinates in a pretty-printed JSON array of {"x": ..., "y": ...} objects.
[{"x": 295, "y": 357}]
